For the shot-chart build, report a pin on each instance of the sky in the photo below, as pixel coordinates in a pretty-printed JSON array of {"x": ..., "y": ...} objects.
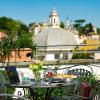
[{"x": 28, "y": 11}]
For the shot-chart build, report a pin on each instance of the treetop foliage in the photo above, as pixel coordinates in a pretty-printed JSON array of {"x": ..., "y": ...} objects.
[
  {"x": 12, "y": 26},
  {"x": 83, "y": 29},
  {"x": 62, "y": 25},
  {"x": 17, "y": 36}
]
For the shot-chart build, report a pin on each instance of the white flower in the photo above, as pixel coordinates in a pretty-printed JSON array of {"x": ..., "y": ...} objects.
[{"x": 36, "y": 65}]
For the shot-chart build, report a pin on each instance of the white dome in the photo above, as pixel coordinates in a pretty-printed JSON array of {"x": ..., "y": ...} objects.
[
  {"x": 55, "y": 39},
  {"x": 53, "y": 13}
]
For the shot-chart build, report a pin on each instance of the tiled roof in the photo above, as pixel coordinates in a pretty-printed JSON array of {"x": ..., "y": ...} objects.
[{"x": 55, "y": 36}]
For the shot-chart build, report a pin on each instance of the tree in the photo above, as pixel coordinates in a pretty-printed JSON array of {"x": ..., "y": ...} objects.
[
  {"x": 88, "y": 28},
  {"x": 13, "y": 27},
  {"x": 7, "y": 44},
  {"x": 17, "y": 37},
  {"x": 25, "y": 41},
  {"x": 3, "y": 23},
  {"x": 80, "y": 21},
  {"x": 23, "y": 27},
  {"x": 83, "y": 29},
  {"x": 62, "y": 25},
  {"x": 79, "y": 26},
  {"x": 32, "y": 24},
  {"x": 6, "y": 47},
  {"x": 98, "y": 31}
]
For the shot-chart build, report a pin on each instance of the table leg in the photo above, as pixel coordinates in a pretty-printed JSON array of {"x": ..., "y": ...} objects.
[
  {"x": 32, "y": 94},
  {"x": 48, "y": 93}
]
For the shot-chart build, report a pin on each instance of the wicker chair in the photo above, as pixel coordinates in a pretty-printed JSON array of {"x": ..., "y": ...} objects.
[
  {"x": 96, "y": 91},
  {"x": 3, "y": 94},
  {"x": 94, "y": 94},
  {"x": 81, "y": 71}
]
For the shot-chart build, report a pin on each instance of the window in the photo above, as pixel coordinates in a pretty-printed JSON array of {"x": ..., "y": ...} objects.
[{"x": 57, "y": 56}]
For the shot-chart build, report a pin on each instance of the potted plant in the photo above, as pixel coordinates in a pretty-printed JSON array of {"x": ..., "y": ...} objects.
[
  {"x": 87, "y": 85},
  {"x": 36, "y": 66}
]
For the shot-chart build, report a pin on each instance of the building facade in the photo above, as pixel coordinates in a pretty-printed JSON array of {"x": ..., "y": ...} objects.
[{"x": 53, "y": 42}]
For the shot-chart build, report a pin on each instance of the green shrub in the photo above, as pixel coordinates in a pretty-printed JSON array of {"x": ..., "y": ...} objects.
[
  {"x": 89, "y": 79},
  {"x": 9, "y": 90},
  {"x": 58, "y": 91},
  {"x": 81, "y": 55}
]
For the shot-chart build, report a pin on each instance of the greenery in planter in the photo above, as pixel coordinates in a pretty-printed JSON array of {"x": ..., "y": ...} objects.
[
  {"x": 58, "y": 91},
  {"x": 89, "y": 79},
  {"x": 81, "y": 55},
  {"x": 39, "y": 93},
  {"x": 9, "y": 90}
]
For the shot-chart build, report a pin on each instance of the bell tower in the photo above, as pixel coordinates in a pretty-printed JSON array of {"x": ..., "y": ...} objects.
[{"x": 54, "y": 19}]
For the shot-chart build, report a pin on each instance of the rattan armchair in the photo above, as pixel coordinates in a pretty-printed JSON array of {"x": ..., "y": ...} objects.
[
  {"x": 94, "y": 94},
  {"x": 83, "y": 73},
  {"x": 80, "y": 70},
  {"x": 96, "y": 91}
]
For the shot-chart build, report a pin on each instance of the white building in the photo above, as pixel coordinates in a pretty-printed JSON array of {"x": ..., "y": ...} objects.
[
  {"x": 54, "y": 19},
  {"x": 53, "y": 42}
]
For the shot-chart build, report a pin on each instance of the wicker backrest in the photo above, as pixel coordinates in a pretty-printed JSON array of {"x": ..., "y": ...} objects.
[
  {"x": 80, "y": 70},
  {"x": 96, "y": 93}
]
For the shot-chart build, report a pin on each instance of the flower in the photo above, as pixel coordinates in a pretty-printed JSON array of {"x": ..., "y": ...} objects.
[{"x": 36, "y": 65}]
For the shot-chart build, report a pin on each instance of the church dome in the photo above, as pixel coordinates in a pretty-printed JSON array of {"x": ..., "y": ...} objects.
[{"x": 55, "y": 39}]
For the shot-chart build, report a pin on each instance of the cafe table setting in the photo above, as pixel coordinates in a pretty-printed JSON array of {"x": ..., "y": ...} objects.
[{"x": 50, "y": 81}]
